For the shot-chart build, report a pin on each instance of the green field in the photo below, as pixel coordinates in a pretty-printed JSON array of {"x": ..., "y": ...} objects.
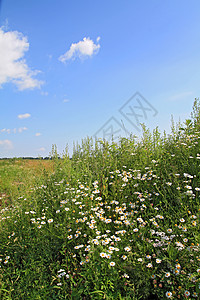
[{"x": 116, "y": 221}]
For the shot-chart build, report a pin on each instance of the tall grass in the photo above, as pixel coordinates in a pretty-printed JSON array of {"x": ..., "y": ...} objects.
[{"x": 117, "y": 221}]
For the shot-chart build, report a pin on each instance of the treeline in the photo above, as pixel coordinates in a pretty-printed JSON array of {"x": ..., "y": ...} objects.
[{"x": 38, "y": 158}]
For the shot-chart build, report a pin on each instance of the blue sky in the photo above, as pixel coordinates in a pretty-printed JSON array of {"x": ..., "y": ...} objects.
[{"x": 68, "y": 67}]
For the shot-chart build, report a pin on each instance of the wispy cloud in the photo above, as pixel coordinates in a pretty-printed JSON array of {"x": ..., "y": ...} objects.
[
  {"x": 6, "y": 130},
  {"x": 44, "y": 93},
  {"x": 24, "y": 116},
  {"x": 180, "y": 96},
  {"x": 14, "y": 130},
  {"x": 6, "y": 144},
  {"x": 66, "y": 100},
  {"x": 38, "y": 134},
  {"x": 13, "y": 66},
  {"x": 21, "y": 129},
  {"x": 82, "y": 49},
  {"x": 42, "y": 149}
]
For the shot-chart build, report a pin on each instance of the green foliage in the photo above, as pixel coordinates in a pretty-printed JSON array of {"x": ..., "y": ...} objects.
[{"x": 117, "y": 221}]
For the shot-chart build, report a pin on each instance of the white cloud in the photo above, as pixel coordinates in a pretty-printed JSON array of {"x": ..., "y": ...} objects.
[
  {"x": 38, "y": 134},
  {"x": 180, "y": 96},
  {"x": 50, "y": 56},
  {"x": 21, "y": 129},
  {"x": 84, "y": 48},
  {"x": 14, "y": 130},
  {"x": 6, "y": 144},
  {"x": 13, "y": 67},
  {"x": 7, "y": 130},
  {"x": 24, "y": 116},
  {"x": 44, "y": 93},
  {"x": 41, "y": 149},
  {"x": 66, "y": 100}
]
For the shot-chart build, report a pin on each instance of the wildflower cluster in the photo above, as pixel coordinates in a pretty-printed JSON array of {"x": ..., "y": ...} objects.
[{"x": 131, "y": 222}]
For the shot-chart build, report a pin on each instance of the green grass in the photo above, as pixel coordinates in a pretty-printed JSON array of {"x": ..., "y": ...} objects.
[
  {"x": 17, "y": 176},
  {"x": 117, "y": 221}
]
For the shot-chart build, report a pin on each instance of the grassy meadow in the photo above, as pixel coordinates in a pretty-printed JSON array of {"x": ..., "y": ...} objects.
[
  {"x": 18, "y": 175},
  {"x": 116, "y": 221}
]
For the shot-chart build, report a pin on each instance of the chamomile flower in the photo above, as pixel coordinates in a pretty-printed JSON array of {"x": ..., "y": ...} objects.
[
  {"x": 168, "y": 294},
  {"x": 182, "y": 220},
  {"x": 102, "y": 254},
  {"x": 176, "y": 272},
  {"x": 124, "y": 257},
  {"x": 187, "y": 293},
  {"x": 194, "y": 295},
  {"x": 127, "y": 249},
  {"x": 178, "y": 266},
  {"x": 111, "y": 248}
]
